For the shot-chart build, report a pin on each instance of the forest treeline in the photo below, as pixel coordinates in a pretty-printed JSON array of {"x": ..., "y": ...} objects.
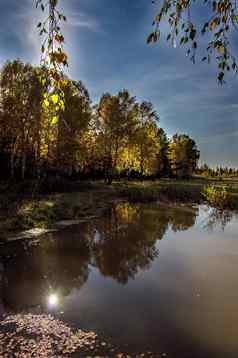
[
  {"x": 117, "y": 137},
  {"x": 218, "y": 172}
]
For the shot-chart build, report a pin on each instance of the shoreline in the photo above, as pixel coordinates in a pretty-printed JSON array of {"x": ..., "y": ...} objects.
[{"x": 25, "y": 217}]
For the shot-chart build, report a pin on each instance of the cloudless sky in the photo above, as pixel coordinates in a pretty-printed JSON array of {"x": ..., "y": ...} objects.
[{"x": 106, "y": 41}]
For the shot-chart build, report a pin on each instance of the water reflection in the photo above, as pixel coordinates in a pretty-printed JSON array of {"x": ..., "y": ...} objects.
[
  {"x": 120, "y": 244},
  {"x": 53, "y": 300},
  {"x": 58, "y": 264},
  {"x": 219, "y": 218},
  {"x": 124, "y": 248},
  {"x": 128, "y": 234},
  {"x": 148, "y": 275}
]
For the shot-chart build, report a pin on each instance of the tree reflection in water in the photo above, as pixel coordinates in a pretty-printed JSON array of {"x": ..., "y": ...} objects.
[
  {"x": 219, "y": 218},
  {"x": 119, "y": 244}
]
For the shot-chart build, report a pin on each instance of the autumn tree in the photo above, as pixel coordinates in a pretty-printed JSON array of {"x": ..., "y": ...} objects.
[
  {"x": 146, "y": 138},
  {"x": 116, "y": 120},
  {"x": 163, "y": 166},
  {"x": 73, "y": 126},
  {"x": 32, "y": 138},
  {"x": 183, "y": 156},
  {"x": 118, "y": 137},
  {"x": 21, "y": 95}
]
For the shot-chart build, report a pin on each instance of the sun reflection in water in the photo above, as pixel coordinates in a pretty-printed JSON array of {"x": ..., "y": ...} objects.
[{"x": 53, "y": 300}]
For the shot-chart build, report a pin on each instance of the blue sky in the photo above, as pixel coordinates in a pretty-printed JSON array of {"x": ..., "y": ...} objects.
[{"x": 106, "y": 41}]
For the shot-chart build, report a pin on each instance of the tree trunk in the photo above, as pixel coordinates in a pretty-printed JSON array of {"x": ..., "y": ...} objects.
[
  {"x": 23, "y": 167},
  {"x": 12, "y": 165}
]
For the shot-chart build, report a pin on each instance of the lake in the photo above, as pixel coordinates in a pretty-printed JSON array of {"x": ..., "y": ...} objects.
[{"x": 147, "y": 277}]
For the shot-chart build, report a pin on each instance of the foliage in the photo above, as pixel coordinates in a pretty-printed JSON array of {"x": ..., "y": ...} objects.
[
  {"x": 183, "y": 156},
  {"x": 218, "y": 197},
  {"x": 73, "y": 126},
  {"x": 31, "y": 139},
  {"x": 115, "y": 118},
  {"x": 118, "y": 137},
  {"x": 147, "y": 138},
  {"x": 21, "y": 95},
  {"x": 221, "y": 21},
  {"x": 54, "y": 57},
  {"x": 184, "y": 28}
]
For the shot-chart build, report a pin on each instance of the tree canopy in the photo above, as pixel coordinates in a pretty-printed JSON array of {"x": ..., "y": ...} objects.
[
  {"x": 116, "y": 137},
  {"x": 48, "y": 123}
]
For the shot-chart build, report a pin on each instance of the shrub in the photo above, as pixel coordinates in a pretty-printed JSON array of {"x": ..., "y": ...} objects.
[{"x": 217, "y": 196}]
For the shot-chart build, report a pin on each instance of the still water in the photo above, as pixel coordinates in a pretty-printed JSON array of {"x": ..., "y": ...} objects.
[{"x": 146, "y": 277}]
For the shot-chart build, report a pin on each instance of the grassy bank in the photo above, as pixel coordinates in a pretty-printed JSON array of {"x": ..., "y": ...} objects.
[
  {"x": 23, "y": 211},
  {"x": 30, "y": 205},
  {"x": 198, "y": 190}
]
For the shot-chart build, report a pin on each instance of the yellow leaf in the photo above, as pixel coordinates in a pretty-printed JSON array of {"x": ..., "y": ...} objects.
[
  {"x": 221, "y": 49},
  {"x": 54, "y": 98},
  {"x": 214, "y": 23},
  {"x": 46, "y": 103},
  {"x": 54, "y": 120}
]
